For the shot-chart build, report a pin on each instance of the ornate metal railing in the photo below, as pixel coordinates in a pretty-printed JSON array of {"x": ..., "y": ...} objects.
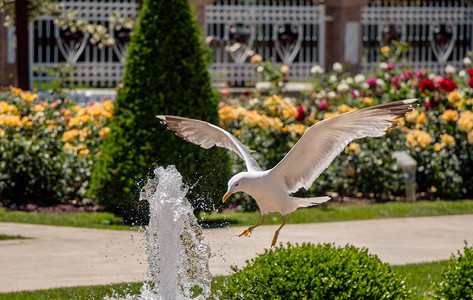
[
  {"x": 437, "y": 32},
  {"x": 287, "y": 32},
  {"x": 91, "y": 65}
]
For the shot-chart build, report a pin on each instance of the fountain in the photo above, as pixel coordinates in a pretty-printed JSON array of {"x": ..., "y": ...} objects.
[{"x": 177, "y": 259}]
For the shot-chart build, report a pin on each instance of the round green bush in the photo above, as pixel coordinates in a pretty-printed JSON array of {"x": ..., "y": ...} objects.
[
  {"x": 310, "y": 271},
  {"x": 457, "y": 280}
]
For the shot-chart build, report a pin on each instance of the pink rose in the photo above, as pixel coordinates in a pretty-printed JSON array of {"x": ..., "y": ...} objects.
[{"x": 323, "y": 105}]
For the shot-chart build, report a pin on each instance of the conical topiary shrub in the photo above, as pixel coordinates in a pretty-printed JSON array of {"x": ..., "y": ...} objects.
[{"x": 166, "y": 73}]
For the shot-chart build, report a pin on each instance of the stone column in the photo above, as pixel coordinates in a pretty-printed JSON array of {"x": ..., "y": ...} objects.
[
  {"x": 343, "y": 33},
  {"x": 8, "y": 72},
  {"x": 199, "y": 8}
]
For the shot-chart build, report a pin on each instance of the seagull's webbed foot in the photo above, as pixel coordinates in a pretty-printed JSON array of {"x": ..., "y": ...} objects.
[
  {"x": 276, "y": 234},
  {"x": 249, "y": 230}
]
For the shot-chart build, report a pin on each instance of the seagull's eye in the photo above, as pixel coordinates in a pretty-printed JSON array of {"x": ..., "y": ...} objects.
[{"x": 237, "y": 184}]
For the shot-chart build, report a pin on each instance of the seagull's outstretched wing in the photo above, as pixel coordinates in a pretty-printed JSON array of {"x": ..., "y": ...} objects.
[
  {"x": 207, "y": 135},
  {"x": 322, "y": 142}
]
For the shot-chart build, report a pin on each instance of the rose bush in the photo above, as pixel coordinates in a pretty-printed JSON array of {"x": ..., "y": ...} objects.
[
  {"x": 48, "y": 147},
  {"x": 438, "y": 134}
]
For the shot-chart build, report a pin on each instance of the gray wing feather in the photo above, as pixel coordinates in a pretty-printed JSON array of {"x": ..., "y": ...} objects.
[{"x": 207, "y": 135}]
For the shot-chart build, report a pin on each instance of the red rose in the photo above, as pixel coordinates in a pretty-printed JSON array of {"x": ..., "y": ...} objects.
[
  {"x": 470, "y": 82},
  {"x": 300, "y": 114},
  {"x": 470, "y": 72},
  {"x": 371, "y": 82},
  {"x": 448, "y": 85},
  {"x": 427, "y": 84},
  {"x": 323, "y": 105}
]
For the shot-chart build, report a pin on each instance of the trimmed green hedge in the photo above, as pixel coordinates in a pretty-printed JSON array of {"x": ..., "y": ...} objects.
[
  {"x": 315, "y": 272},
  {"x": 457, "y": 281},
  {"x": 166, "y": 73}
]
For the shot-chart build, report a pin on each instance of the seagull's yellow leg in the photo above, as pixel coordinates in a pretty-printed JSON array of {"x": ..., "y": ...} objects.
[
  {"x": 276, "y": 234},
  {"x": 249, "y": 230}
]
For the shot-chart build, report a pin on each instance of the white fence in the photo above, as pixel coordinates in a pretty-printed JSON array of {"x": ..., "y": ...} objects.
[
  {"x": 292, "y": 33},
  {"x": 92, "y": 66},
  {"x": 436, "y": 35}
]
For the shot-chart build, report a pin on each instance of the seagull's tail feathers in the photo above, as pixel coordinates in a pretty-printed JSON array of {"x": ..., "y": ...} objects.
[{"x": 306, "y": 202}]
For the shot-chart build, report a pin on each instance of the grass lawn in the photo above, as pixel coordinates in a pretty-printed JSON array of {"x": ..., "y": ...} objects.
[
  {"x": 107, "y": 220},
  {"x": 343, "y": 213},
  {"x": 103, "y": 220},
  {"x": 419, "y": 277}
]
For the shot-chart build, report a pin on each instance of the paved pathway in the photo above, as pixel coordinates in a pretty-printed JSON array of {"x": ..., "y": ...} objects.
[{"x": 67, "y": 256}]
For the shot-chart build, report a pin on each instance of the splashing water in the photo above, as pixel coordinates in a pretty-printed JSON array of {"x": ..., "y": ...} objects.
[{"x": 177, "y": 260}]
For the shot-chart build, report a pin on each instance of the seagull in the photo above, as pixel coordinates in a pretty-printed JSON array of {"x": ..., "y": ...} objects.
[{"x": 312, "y": 154}]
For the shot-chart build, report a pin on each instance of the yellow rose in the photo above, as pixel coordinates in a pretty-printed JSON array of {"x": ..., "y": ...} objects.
[
  {"x": 465, "y": 122},
  {"x": 275, "y": 123},
  {"x": 16, "y": 91},
  {"x": 5, "y": 107},
  {"x": 11, "y": 120},
  {"x": 240, "y": 111},
  {"x": 284, "y": 69},
  {"x": 256, "y": 59},
  {"x": 447, "y": 139},
  {"x": 400, "y": 121},
  {"x": 84, "y": 132},
  {"x": 368, "y": 101},
  {"x": 418, "y": 138},
  {"x": 28, "y": 96},
  {"x": 95, "y": 110},
  {"x": 107, "y": 114},
  {"x": 352, "y": 147},
  {"x": 70, "y": 135},
  {"x": 297, "y": 128},
  {"x": 289, "y": 111},
  {"x": 437, "y": 147},
  {"x": 329, "y": 115},
  {"x": 421, "y": 118},
  {"x": 412, "y": 116},
  {"x": 343, "y": 109},
  {"x": 227, "y": 113},
  {"x": 82, "y": 152},
  {"x": 104, "y": 132},
  {"x": 385, "y": 50},
  {"x": 470, "y": 137},
  {"x": 74, "y": 121},
  {"x": 450, "y": 115},
  {"x": 252, "y": 118},
  {"x": 108, "y": 105},
  {"x": 460, "y": 104},
  {"x": 38, "y": 108},
  {"x": 67, "y": 146},
  {"x": 2, "y": 132},
  {"x": 453, "y": 97}
]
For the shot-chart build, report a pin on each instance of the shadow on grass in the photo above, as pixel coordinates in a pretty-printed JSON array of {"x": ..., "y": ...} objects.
[
  {"x": 218, "y": 223},
  {"x": 12, "y": 237}
]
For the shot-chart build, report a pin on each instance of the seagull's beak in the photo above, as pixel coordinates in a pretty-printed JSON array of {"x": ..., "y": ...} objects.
[{"x": 225, "y": 197}]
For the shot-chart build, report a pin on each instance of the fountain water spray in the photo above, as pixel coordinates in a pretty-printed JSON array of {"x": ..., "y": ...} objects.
[{"x": 177, "y": 260}]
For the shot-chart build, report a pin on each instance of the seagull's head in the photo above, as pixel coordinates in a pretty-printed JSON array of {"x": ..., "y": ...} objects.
[{"x": 237, "y": 184}]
